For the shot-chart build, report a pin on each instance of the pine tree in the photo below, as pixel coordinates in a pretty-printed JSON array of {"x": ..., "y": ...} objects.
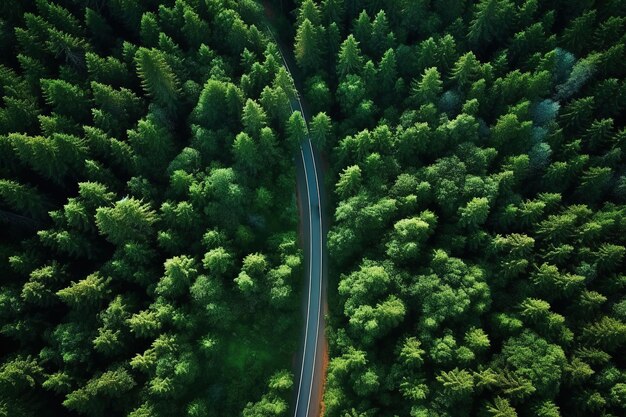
[
  {"x": 128, "y": 220},
  {"x": 458, "y": 383},
  {"x": 216, "y": 98},
  {"x": 54, "y": 157},
  {"x": 149, "y": 30},
  {"x": 87, "y": 293},
  {"x": 66, "y": 99},
  {"x": 388, "y": 74},
  {"x": 575, "y": 36},
  {"x": 153, "y": 144},
  {"x": 333, "y": 11},
  {"x": 107, "y": 70},
  {"x": 117, "y": 110},
  {"x": 608, "y": 333},
  {"x": 428, "y": 89},
  {"x": 349, "y": 60},
  {"x": 19, "y": 115},
  {"x": 99, "y": 392},
  {"x": 594, "y": 182},
  {"x": 296, "y": 130},
  {"x": 349, "y": 182},
  {"x": 180, "y": 273},
  {"x": 157, "y": 77},
  {"x": 127, "y": 12},
  {"x": 491, "y": 21},
  {"x": 501, "y": 408},
  {"x": 474, "y": 213},
  {"x": 318, "y": 94},
  {"x": 466, "y": 69},
  {"x": 308, "y": 10},
  {"x": 383, "y": 38},
  {"x": 70, "y": 48},
  {"x": 24, "y": 200},
  {"x": 307, "y": 47},
  {"x": 253, "y": 118},
  {"x": 363, "y": 29},
  {"x": 218, "y": 261},
  {"x": 246, "y": 153},
  {"x": 195, "y": 30},
  {"x": 100, "y": 31},
  {"x": 321, "y": 130}
]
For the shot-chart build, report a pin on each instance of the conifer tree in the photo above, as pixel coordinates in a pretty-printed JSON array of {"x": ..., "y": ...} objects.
[
  {"x": 491, "y": 21},
  {"x": 23, "y": 200},
  {"x": 308, "y": 10},
  {"x": 349, "y": 59},
  {"x": 66, "y": 99},
  {"x": 157, "y": 77},
  {"x": 428, "y": 89},
  {"x": 128, "y": 220},
  {"x": 308, "y": 47}
]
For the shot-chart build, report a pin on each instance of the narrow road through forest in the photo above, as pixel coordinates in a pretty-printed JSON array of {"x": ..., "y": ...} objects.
[{"x": 310, "y": 372}]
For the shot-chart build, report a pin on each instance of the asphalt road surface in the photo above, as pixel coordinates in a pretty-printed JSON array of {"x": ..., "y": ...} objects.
[{"x": 307, "y": 401}]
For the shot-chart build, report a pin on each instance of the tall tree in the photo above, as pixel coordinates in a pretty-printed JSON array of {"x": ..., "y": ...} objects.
[
  {"x": 308, "y": 47},
  {"x": 157, "y": 77},
  {"x": 349, "y": 60}
]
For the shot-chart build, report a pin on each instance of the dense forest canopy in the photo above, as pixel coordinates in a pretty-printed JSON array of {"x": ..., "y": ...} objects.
[
  {"x": 479, "y": 206},
  {"x": 149, "y": 258}
]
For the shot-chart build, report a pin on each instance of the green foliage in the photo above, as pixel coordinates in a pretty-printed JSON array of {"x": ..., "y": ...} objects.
[
  {"x": 216, "y": 98},
  {"x": 117, "y": 123},
  {"x": 180, "y": 272},
  {"x": 157, "y": 77},
  {"x": 297, "y": 130},
  {"x": 272, "y": 403},
  {"x": 253, "y": 118},
  {"x": 110, "y": 385},
  {"x": 476, "y": 251},
  {"x": 321, "y": 130},
  {"x": 126, "y": 221},
  {"x": 349, "y": 60},
  {"x": 151, "y": 141},
  {"x": 66, "y": 99},
  {"x": 499, "y": 148},
  {"x": 428, "y": 89},
  {"x": 491, "y": 21},
  {"x": 54, "y": 158},
  {"x": 307, "y": 46},
  {"x": 23, "y": 199},
  {"x": 501, "y": 408},
  {"x": 409, "y": 237},
  {"x": 86, "y": 293},
  {"x": 474, "y": 213}
]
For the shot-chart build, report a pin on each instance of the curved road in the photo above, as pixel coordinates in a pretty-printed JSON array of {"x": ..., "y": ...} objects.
[{"x": 307, "y": 401}]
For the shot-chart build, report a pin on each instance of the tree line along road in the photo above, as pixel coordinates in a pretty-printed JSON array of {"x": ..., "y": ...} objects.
[{"x": 309, "y": 378}]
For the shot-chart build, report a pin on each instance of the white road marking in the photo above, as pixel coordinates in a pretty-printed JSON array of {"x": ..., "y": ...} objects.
[
  {"x": 308, "y": 307},
  {"x": 319, "y": 300},
  {"x": 319, "y": 307}
]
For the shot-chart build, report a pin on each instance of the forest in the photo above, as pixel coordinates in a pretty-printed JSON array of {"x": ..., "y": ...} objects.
[
  {"x": 149, "y": 256},
  {"x": 151, "y": 263}
]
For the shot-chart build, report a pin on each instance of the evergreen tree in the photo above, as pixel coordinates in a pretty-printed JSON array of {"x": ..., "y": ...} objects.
[
  {"x": 491, "y": 21},
  {"x": 253, "y": 118},
  {"x": 128, "y": 220},
  {"x": 296, "y": 130},
  {"x": 349, "y": 59},
  {"x": 428, "y": 89},
  {"x": 157, "y": 77},
  {"x": 66, "y": 99},
  {"x": 307, "y": 47}
]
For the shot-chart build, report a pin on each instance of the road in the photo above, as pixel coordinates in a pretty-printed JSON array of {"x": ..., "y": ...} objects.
[{"x": 309, "y": 380}]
